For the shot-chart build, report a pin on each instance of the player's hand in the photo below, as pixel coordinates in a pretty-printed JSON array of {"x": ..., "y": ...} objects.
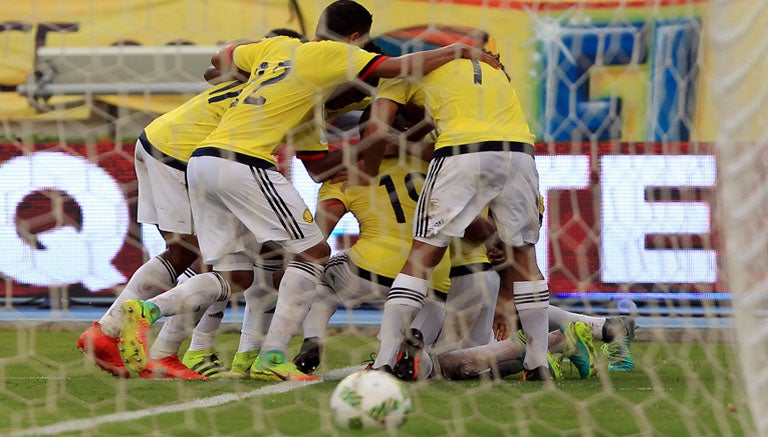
[
  {"x": 469, "y": 52},
  {"x": 340, "y": 176},
  {"x": 496, "y": 256},
  {"x": 499, "y": 327}
]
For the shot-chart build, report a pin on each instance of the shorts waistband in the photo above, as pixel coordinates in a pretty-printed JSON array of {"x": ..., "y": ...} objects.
[
  {"x": 373, "y": 277},
  {"x": 160, "y": 156},
  {"x": 234, "y": 156},
  {"x": 485, "y": 146},
  {"x": 468, "y": 269}
]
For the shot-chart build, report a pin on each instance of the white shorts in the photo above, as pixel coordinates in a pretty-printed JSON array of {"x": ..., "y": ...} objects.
[
  {"x": 237, "y": 207},
  {"x": 344, "y": 278},
  {"x": 163, "y": 196},
  {"x": 458, "y": 187}
]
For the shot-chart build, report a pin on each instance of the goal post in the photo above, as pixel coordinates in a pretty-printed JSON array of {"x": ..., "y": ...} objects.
[{"x": 741, "y": 94}]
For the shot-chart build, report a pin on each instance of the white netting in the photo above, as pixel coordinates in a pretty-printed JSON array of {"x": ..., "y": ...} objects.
[{"x": 648, "y": 118}]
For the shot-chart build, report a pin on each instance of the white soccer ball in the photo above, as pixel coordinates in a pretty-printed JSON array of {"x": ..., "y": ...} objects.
[{"x": 370, "y": 399}]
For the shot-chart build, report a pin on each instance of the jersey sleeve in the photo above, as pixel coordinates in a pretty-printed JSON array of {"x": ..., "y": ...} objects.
[
  {"x": 396, "y": 90},
  {"x": 337, "y": 62},
  {"x": 332, "y": 192},
  {"x": 244, "y": 56},
  {"x": 308, "y": 141}
]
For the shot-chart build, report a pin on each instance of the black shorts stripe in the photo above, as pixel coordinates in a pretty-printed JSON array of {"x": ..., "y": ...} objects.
[
  {"x": 469, "y": 269},
  {"x": 277, "y": 204},
  {"x": 421, "y": 218},
  {"x": 372, "y": 277},
  {"x": 160, "y": 156}
]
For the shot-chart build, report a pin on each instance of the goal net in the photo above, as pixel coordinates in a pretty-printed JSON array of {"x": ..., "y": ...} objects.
[{"x": 651, "y": 152}]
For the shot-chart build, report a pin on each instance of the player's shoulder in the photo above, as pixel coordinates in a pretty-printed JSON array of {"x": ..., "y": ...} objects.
[
  {"x": 328, "y": 46},
  {"x": 269, "y": 44}
]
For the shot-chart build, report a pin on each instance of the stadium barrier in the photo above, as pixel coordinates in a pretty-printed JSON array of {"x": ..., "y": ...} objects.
[{"x": 116, "y": 70}]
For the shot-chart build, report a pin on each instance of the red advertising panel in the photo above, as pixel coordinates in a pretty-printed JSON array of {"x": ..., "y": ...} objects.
[{"x": 619, "y": 217}]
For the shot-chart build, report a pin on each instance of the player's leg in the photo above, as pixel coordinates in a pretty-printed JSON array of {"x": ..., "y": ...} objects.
[
  {"x": 324, "y": 304},
  {"x": 163, "y": 356},
  {"x": 467, "y": 316},
  {"x": 405, "y": 299},
  {"x": 294, "y": 297},
  {"x": 151, "y": 279},
  {"x": 412, "y": 362},
  {"x": 224, "y": 245},
  {"x": 158, "y": 184},
  {"x": 292, "y": 226},
  {"x": 507, "y": 354},
  {"x": 448, "y": 203},
  {"x": 517, "y": 218},
  {"x": 260, "y": 301},
  {"x": 201, "y": 356},
  {"x": 617, "y": 334},
  {"x": 341, "y": 283}
]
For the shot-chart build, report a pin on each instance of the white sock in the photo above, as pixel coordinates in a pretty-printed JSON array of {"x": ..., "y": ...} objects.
[
  {"x": 260, "y": 301},
  {"x": 204, "y": 335},
  {"x": 324, "y": 304},
  {"x": 175, "y": 330},
  {"x": 429, "y": 320},
  {"x": 531, "y": 300},
  {"x": 294, "y": 297},
  {"x": 469, "y": 311},
  {"x": 405, "y": 299},
  {"x": 186, "y": 274},
  {"x": 195, "y": 294},
  {"x": 152, "y": 278},
  {"x": 463, "y": 363},
  {"x": 561, "y": 317}
]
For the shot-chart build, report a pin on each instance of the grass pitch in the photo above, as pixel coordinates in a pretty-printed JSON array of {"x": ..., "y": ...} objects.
[{"x": 47, "y": 387}]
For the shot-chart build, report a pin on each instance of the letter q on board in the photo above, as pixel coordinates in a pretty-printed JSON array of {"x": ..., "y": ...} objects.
[{"x": 68, "y": 255}]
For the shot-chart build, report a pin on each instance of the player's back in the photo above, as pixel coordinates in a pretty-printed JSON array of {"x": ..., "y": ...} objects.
[
  {"x": 288, "y": 80},
  {"x": 178, "y": 132},
  {"x": 385, "y": 211},
  {"x": 470, "y": 102}
]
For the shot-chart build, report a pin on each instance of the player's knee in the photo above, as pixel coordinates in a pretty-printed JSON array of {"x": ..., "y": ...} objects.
[
  {"x": 239, "y": 280},
  {"x": 318, "y": 253}
]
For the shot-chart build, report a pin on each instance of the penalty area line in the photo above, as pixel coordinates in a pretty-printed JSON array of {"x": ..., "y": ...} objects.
[{"x": 213, "y": 401}]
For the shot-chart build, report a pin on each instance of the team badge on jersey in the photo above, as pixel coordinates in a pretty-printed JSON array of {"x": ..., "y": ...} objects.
[{"x": 308, "y": 216}]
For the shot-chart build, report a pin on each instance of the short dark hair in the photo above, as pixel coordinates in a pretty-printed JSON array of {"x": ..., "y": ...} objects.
[
  {"x": 284, "y": 32},
  {"x": 343, "y": 18}
]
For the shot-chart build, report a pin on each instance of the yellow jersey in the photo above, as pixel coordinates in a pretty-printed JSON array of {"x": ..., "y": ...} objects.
[
  {"x": 469, "y": 101},
  {"x": 385, "y": 213},
  {"x": 289, "y": 82},
  {"x": 177, "y": 133}
]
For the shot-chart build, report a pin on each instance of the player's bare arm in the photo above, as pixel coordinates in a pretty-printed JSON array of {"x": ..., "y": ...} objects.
[
  {"x": 383, "y": 113},
  {"x": 421, "y": 63},
  {"x": 223, "y": 67}
]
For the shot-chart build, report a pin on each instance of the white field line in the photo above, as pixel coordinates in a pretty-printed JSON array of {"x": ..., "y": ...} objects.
[{"x": 213, "y": 401}]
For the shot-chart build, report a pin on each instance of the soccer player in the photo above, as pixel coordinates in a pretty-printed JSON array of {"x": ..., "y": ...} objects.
[
  {"x": 238, "y": 197},
  {"x": 162, "y": 152},
  {"x": 470, "y": 306},
  {"x": 483, "y": 157},
  {"x": 501, "y": 358},
  {"x": 364, "y": 272}
]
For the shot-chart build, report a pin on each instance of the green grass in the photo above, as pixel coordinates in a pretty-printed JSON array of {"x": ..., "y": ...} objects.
[{"x": 677, "y": 389}]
